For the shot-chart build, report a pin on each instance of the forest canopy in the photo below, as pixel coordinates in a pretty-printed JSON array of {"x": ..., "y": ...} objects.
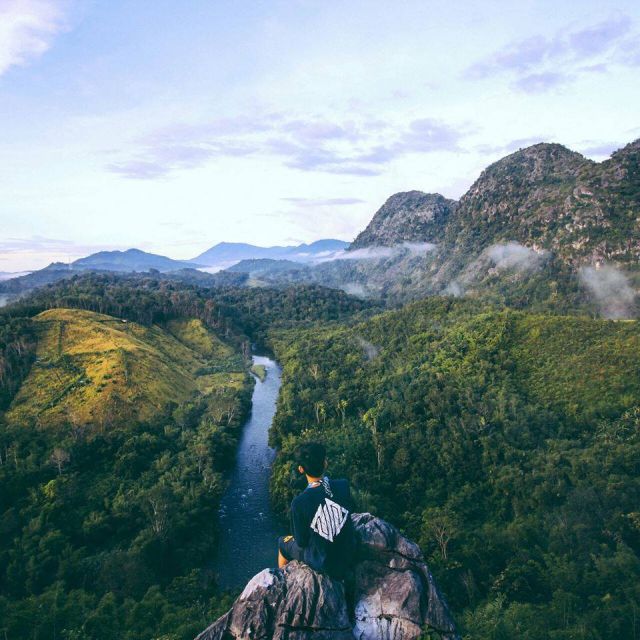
[
  {"x": 123, "y": 398},
  {"x": 506, "y": 443}
]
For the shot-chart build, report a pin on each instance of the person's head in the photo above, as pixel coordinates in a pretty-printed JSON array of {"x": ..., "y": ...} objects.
[{"x": 311, "y": 459}]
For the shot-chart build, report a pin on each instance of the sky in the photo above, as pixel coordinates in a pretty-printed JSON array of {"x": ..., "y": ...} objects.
[{"x": 174, "y": 125}]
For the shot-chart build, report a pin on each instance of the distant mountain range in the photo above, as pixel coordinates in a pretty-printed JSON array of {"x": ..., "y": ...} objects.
[
  {"x": 543, "y": 227},
  {"x": 119, "y": 261},
  {"x": 219, "y": 257},
  {"x": 130, "y": 260},
  {"x": 225, "y": 254}
]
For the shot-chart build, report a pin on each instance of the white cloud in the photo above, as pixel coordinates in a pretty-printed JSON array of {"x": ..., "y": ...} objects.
[
  {"x": 513, "y": 255},
  {"x": 313, "y": 144},
  {"x": 540, "y": 63},
  {"x": 612, "y": 291},
  {"x": 419, "y": 247},
  {"x": 379, "y": 253},
  {"x": 27, "y": 29}
]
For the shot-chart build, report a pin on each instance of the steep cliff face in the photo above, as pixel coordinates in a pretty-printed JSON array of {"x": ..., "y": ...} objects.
[
  {"x": 519, "y": 198},
  {"x": 548, "y": 197},
  {"x": 543, "y": 197},
  {"x": 412, "y": 216},
  {"x": 612, "y": 231},
  {"x": 391, "y": 595}
]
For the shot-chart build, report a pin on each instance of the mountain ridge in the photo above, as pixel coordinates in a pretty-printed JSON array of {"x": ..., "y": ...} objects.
[
  {"x": 546, "y": 196},
  {"x": 224, "y": 253},
  {"x": 542, "y": 227},
  {"x": 409, "y": 216},
  {"x": 526, "y": 229},
  {"x": 130, "y": 260}
]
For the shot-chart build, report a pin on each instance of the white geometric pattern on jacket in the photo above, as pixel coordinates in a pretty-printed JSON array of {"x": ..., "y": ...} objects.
[{"x": 329, "y": 519}]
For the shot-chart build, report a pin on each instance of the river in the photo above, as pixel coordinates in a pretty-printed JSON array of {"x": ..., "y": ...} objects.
[{"x": 248, "y": 527}]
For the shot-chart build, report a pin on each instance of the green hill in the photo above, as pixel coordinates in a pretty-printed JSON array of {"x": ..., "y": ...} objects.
[
  {"x": 113, "y": 455},
  {"x": 96, "y": 369}
]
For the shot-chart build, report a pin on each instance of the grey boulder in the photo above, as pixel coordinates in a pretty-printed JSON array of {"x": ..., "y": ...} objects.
[{"x": 392, "y": 596}]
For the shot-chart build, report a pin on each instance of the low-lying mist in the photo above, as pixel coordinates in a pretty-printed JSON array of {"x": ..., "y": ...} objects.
[
  {"x": 381, "y": 252},
  {"x": 513, "y": 255},
  {"x": 612, "y": 291}
]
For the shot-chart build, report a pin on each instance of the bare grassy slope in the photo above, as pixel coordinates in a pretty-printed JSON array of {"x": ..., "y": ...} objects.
[{"x": 96, "y": 369}]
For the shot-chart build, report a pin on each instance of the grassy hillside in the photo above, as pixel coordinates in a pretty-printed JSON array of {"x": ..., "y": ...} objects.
[
  {"x": 96, "y": 369},
  {"x": 196, "y": 336},
  {"x": 507, "y": 444},
  {"x": 113, "y": 454}
]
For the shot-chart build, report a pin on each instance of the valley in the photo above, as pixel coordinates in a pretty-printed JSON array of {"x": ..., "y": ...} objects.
[
  {"x": 247, "y": 519},
  {"x": 320, "y": 320},
  {"x": 471, "y": 366}
]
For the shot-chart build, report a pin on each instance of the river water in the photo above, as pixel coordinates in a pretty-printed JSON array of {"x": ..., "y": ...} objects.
[{"x": 248, "y": 527}]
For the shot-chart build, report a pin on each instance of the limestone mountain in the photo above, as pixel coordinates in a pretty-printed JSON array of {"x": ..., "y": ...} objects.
[
  {"x": 548, "y": 197},
  {"x": 544, "y": 197},
  {"x": 412, "y": 216},
  {"x": 528, "y": 232}
]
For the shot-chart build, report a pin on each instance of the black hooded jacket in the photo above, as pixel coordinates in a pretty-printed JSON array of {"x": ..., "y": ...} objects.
[{"x": 321, "y": 525}]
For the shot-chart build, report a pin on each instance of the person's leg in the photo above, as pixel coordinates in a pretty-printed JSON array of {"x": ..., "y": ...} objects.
[
  {"x": 282, "y": 550},
  {"x": 288, "y": 550}
]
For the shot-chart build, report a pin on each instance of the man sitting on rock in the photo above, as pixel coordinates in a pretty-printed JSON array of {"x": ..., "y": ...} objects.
[{"x": 323, "y": 534}]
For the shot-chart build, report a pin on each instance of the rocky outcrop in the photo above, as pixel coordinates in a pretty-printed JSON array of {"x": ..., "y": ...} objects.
[
  {"x": 390, "y": 596},
  {"x": 542, "y": 197},
  {"x": 411, "y": 216},
  {"x": 549, "y": 197},
  {"x": 521, "y": 235}
]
